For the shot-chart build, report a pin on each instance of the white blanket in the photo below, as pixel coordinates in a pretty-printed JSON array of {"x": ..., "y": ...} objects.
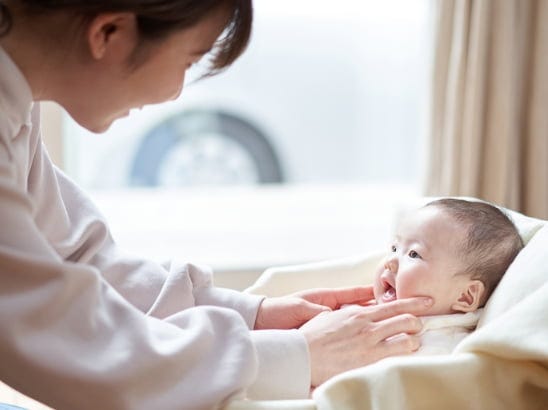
[{"x": 501, "y": 365}]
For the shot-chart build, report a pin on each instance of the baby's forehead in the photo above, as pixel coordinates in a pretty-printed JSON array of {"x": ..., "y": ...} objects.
[
  {"x": 427, "y": 215},
  {"x": 431, "y": 225}
]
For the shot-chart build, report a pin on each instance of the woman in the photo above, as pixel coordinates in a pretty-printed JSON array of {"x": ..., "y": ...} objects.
[{"x": 85, "y": 326}]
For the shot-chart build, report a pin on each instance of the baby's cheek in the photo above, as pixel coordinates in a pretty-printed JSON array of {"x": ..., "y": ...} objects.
[{"x": 408, "y": 288}]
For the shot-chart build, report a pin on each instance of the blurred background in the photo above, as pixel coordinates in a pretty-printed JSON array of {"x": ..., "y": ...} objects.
[{"x": 333, "y": 118}]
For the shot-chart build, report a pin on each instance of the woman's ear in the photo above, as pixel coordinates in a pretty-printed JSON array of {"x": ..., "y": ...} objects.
[
  {"x": 112, "y": 34},
  {"x": 470, "y": 297}
]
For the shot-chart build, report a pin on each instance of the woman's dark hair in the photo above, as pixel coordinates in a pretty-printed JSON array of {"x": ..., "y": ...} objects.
[
  {"x": 5, "y": 19},
  {"x": 156, "y": 19}
]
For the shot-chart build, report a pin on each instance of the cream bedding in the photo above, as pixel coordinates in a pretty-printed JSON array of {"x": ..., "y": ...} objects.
[{"x": 502, "y": 365}]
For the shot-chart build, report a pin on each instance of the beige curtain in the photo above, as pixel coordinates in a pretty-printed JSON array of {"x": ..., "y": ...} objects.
[{"x": 489, "y": 123}]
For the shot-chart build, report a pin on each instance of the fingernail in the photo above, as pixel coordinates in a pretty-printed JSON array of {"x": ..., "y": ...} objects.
[{"x": 428, "y": 301}]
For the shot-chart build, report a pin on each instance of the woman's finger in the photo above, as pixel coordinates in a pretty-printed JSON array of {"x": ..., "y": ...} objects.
[
  {"x": 405, "y": 323},
  {"x": 353, "y": 295},
  {"x": 416, "y": 306},
  {"x": 401, "y": 344},
  {"x": 338, "y": 296}
]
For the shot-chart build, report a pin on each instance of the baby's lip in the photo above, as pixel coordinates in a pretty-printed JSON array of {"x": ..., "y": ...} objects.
[{"x": 389, "y": 293}]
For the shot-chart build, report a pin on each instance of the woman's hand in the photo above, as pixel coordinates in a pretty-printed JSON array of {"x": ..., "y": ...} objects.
[
  {"x": 359, "y": 335},
  {"x": 289, "y": 312}
]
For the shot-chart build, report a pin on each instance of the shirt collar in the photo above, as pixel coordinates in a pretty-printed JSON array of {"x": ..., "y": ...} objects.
[
  {"x": 467, "y": 320},
  {"x": 15, "y": 96}
]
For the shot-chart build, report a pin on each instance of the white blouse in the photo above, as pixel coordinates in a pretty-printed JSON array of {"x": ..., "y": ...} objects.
[{"x": 85, "y": 326}]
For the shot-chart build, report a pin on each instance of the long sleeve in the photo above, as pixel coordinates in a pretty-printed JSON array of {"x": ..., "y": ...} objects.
[
  {"x": 79, "y": 233},
  {"x": 86, "y": 327}
]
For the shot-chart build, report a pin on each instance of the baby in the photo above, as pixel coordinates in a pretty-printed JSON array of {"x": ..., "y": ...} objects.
[{"x": 455, "y": 251}]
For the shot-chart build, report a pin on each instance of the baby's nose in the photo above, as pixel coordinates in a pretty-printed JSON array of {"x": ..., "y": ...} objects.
[{"x": 391, "y": 264}]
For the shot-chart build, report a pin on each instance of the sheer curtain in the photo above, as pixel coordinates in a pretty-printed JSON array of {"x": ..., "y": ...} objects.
[{"x": 489, "y": 123}]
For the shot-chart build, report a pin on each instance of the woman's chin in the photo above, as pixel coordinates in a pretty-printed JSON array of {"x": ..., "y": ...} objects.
[
  {"x": 99, "y": 129},
  {"x": 100, "y": 125},
  {"x": 95, "y": 126}
]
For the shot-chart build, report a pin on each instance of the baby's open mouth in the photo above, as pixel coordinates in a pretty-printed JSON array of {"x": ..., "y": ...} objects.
[{"x": 389, "y": 293}]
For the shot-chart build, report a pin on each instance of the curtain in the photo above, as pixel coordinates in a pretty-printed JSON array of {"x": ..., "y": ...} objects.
[{"x": 489, "y": 116}]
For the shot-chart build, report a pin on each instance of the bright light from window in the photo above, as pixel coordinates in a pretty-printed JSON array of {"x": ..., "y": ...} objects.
[{"x": 327, "y": 92}]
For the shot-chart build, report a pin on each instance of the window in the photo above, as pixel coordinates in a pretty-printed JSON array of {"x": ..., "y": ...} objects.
[{"x": 323, "y": 94}]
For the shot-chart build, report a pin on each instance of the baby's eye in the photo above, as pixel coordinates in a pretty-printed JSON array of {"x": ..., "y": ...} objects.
[
  {"x": 393, "y": 248},
  {"x": 414, "y": 254}
]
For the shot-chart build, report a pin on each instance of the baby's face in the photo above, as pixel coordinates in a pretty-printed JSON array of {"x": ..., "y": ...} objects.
[{"x": 423, "y": 260}]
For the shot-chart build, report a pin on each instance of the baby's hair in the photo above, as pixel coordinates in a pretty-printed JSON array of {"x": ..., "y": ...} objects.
[
  {"x": 156, "y": 19},
  {"x": 492, "y": 241}
]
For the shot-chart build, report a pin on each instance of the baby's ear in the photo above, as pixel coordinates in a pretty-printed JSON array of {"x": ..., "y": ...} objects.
[{"x": 470, "y": 297}]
